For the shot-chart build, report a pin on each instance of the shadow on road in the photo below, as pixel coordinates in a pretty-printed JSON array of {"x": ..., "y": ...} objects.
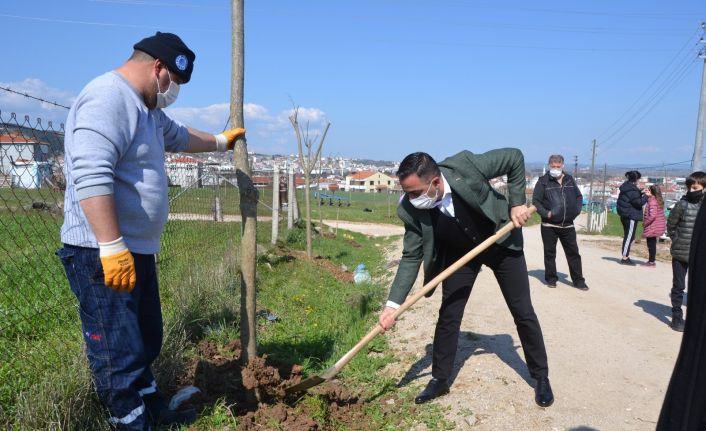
[
  {"x": 617, "y": 259},
  {"x": 539, "y": 275},
  {"x": 662, "y": 312},
  {"x": 470, "y": 344}
]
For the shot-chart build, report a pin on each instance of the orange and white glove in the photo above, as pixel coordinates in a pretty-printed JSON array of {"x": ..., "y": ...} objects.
[
  {"x": 118, "y": 265},
  {"x": 226, "y": 140}
]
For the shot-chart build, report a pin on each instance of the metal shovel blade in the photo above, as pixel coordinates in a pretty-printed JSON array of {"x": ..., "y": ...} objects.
[{"x": 312, "y": 381}]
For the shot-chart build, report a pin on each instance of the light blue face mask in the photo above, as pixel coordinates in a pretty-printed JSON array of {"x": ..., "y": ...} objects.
[
  {"x": 424, "y": 201},
  {"x": 556, "y": 173}
]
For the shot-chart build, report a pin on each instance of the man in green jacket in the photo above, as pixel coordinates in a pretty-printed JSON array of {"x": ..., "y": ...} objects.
[{"x": 447, "y": 210}]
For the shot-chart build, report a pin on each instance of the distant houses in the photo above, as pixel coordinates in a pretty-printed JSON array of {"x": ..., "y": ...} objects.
[
  {"x": 370, "y": 182},
  {"x": 24, "y": 162}
]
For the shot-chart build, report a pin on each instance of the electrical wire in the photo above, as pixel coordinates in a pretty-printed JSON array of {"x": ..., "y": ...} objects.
[
  {"x": 653, "y": 102},
  {"x": 689, "y": 41}
]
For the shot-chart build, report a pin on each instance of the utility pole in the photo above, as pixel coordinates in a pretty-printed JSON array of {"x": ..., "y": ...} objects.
[
  {"x": 576, "y": 165},
  {"x": 605, "y": 181},
  {"x": 697, "y": 159},
  {"x": 590, "y": 187}
]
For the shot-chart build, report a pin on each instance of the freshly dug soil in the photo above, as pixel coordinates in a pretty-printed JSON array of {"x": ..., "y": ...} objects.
[{"x": 218, "y": 373}]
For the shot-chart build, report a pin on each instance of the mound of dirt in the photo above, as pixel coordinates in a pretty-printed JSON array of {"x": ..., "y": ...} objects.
[{"x": 218, "y": 373}]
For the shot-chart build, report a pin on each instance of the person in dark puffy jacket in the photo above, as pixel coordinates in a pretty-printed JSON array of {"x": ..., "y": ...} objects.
[
  {"x": 680, "y": 227},
  {"x": 630, "y": 202},
  {"x": 558, "y": 201}
]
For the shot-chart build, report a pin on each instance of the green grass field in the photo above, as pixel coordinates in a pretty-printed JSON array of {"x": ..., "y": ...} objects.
[
  {"x": 44, "y": 379},
  {"x": 364, "y": 207},
  {"x": 614, "y": 227}
]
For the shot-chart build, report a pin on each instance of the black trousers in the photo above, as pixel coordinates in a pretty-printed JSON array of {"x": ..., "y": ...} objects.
[
  {"x": 510, "y": 270},
  {"x": 567, "y": 236},
  {"x": 629, "y": 229},
  {"x": 652, "y": 248},
  {"x": 679, "y": 270}
]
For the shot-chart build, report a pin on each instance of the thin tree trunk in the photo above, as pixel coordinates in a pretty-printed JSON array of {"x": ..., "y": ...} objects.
[
  {"x": 275, "y": 205},
  {"x": 248, "y": 193},
  {"x": 291, "y": 198}
]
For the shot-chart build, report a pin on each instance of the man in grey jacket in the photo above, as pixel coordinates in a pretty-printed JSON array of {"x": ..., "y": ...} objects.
[{"x": 115, "y": 210}]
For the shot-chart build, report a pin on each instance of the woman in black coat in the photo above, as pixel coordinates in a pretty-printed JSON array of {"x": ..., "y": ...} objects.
[
  {"x": 630, "y": 202},
  {"x": 684, "y": 407}
]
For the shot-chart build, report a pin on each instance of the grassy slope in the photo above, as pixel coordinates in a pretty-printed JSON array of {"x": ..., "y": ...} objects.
[{"x": 43, "y": 372}]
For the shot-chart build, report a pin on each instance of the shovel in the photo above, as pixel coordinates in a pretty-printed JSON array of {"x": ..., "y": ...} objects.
[{"x": 329, "y": 374}]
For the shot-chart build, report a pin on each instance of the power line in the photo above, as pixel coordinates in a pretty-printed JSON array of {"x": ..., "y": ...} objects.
[
  {"x": 664, "y": 164},
  {"x": 10, "y": 90},
  {"x": 657, "y": 98},
  {"x": 676, "y": 76},
  {"x": 688, "y": 41}
]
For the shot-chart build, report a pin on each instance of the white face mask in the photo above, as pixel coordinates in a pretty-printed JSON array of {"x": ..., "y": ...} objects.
[
  {"x": 424, "y": 201},
  {"x": 556, "y": 173},
  {"x": 168, "y": 97}
]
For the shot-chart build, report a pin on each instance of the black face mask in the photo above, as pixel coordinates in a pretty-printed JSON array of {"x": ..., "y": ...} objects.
[{"x": 694, "y": 196}]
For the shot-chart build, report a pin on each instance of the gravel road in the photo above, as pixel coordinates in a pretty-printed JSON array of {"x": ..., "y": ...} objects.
[{"x": 611, "y": 351}]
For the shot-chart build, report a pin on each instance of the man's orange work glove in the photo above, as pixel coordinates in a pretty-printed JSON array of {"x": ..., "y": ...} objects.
[
  {"x": 118, "y": 265},
  {"x": 226, "y": 140}
]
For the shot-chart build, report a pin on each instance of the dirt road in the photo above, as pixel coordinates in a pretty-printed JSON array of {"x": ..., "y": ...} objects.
[{"x": 611, "y": 351}]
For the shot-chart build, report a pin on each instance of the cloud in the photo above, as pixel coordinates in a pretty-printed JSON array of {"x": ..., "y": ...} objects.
[
  {"x": 21, "y": 105},
  {"x": 267, "y": 132},
  {"x": 209, "y": 117}
]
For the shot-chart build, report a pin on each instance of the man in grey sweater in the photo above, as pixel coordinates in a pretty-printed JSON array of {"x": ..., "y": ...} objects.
[{"x": 114, "y": 212}]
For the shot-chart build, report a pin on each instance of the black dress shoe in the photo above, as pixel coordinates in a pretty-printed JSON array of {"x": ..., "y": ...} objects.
[
  {"x": 435, "y": 388},
  {"x": 581, "y": 285},
  {"x": 543, "y": 395}
]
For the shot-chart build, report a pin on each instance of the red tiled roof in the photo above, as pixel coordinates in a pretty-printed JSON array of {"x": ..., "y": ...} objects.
[
  {"x": 362, "y": 175},
  {"x": 18, "y": 139}
]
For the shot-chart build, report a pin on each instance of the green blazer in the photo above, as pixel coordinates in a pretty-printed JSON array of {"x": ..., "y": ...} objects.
[{"x": 468, "y": 175}]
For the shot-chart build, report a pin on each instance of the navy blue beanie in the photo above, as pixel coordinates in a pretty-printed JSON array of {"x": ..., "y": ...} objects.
[{"x": 171, "y": 51}]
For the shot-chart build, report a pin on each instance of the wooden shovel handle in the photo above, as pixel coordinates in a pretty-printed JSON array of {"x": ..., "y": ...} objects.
[{"x": 425, "y": 289}]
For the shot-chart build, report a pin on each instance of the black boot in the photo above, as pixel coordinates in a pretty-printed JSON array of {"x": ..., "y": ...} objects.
[
  {"x": 435, "y": 388},
  {"x": 677, "y": 323},
  {"x": 543, "y": 395}
]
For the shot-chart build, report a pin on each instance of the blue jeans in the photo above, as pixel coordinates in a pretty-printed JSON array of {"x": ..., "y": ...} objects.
[{"x": 123, "y": 335}]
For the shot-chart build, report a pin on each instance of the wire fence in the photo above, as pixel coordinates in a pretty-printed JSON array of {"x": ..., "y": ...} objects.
[
  {"x": 34, "y": 297},
  {"x": 39, "y": 326}
]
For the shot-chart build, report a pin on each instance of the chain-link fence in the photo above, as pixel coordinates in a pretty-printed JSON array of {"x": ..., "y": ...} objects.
[
  {"x": 36, "y": 304},
  {"x": 39, "y": 327}
]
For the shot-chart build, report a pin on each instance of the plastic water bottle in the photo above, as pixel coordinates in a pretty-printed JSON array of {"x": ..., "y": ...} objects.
[{"x": 361, "y": 274}]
